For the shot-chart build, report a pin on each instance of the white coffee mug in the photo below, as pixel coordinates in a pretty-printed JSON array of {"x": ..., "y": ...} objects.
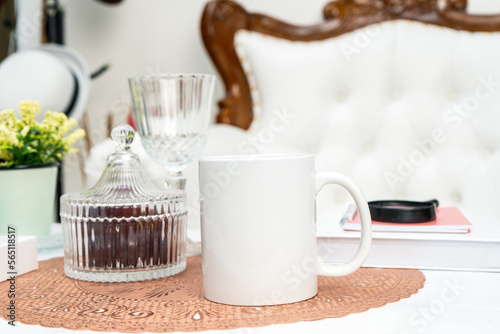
[{"x": 258, "y": 227}]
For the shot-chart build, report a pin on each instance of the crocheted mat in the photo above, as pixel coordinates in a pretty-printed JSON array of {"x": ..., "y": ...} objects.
[{"x": 47, "y": 297}]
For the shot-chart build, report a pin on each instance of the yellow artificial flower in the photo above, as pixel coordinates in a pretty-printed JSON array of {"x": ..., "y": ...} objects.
[
  {"x": 7, "y": 136},
  {"x": 7, "y": 114},
  {"x": 8, "y": 118},
  {"x": 6, "y": 156},
  {"x": 25, "y": 141},
  {"x": 29, "y": 110},
  {"x": 54, "y": 137},
  {"x": 66, "y": 126},
  {"x": 25, "y": 130},
  {"x": 72, "y": 138}
]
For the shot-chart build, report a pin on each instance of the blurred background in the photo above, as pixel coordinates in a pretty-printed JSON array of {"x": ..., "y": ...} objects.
[{"x": 136, "y": 37}]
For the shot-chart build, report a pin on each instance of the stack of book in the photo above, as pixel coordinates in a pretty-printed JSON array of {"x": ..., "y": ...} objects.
[{"x": 454, "y": 241}]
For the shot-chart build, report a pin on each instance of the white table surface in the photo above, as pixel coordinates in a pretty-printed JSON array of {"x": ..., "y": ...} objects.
[{"x": 450, "y": 302}]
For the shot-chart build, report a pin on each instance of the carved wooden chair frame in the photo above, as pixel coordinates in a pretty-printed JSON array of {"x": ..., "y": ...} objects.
[{"x": 222, "y": 19}]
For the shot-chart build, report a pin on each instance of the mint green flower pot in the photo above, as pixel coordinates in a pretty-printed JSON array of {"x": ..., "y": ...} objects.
[{"x": 27, "y": 199}]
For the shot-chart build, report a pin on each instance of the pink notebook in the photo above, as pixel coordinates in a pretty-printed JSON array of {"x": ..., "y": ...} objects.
[{"x": 448, "y": 220}]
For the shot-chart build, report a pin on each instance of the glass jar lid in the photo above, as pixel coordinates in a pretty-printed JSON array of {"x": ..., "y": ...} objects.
[{"x": 124, "y": 190}]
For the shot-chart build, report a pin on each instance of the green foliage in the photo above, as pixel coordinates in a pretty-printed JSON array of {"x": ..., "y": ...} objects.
[{"x": 25, "y": 141}]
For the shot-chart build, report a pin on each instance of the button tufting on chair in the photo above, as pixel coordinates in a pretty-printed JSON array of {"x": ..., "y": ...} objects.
[
  {"x": 368, "y": 147},
  {"x": 341, "y": 97},
  {"x": 394, "y": 95},
  {"x": 486, "y": 151},
  {"x": 453, "y": 96}
]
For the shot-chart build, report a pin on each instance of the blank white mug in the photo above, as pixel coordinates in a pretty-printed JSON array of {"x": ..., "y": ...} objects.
[{"x": 258, "y": 227}]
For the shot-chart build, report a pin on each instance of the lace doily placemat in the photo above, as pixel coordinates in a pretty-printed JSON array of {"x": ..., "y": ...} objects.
[{"x": 47, "y": 297}]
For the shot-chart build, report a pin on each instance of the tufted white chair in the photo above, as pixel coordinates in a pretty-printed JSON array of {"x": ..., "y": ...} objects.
[{"x": 409, "y": 116}]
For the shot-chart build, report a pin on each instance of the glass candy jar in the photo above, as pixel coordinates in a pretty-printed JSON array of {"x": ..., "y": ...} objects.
[{"x": 124, "y": 228}]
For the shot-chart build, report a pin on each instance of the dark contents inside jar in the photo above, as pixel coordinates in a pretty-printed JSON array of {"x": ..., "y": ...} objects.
[{"x": 130, "y": 241}]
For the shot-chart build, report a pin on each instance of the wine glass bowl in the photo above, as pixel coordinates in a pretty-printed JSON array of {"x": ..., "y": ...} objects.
[{"x": 172, "y": 113}]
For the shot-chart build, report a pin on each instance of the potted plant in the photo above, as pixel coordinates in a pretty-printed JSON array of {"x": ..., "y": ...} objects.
[{"x": 30, "y": 152}]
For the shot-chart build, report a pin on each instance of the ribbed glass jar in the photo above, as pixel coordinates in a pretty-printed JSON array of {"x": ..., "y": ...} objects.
[{"x": 124, "y": 228}]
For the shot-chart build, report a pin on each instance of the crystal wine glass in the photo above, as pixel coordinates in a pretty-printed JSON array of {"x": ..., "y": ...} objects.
[{"x": 172, "y": 113}]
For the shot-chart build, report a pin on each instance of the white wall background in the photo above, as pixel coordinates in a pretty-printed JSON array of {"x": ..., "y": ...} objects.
[{"x": 136, "y": 37}]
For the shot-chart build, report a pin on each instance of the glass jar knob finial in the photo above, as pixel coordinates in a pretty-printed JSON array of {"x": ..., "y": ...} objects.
[{"x": 123, "y": 136}]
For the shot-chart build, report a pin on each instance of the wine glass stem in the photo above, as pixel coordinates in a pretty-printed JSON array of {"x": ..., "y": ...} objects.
[{"x": 176, "y": 180}]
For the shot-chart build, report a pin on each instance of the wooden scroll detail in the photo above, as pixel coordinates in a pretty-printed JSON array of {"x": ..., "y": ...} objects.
[{"x": 222, "y": 19}]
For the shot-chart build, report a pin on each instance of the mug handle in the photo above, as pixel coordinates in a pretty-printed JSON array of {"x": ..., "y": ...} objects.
[{"x": 325, "y": 269}]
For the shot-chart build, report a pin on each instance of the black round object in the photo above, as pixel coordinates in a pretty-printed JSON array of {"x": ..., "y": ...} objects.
[{"x": 403, "y": 211}]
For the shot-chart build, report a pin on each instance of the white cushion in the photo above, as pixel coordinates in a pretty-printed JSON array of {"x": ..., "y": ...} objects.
[{"x": 378, "y": 105}]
